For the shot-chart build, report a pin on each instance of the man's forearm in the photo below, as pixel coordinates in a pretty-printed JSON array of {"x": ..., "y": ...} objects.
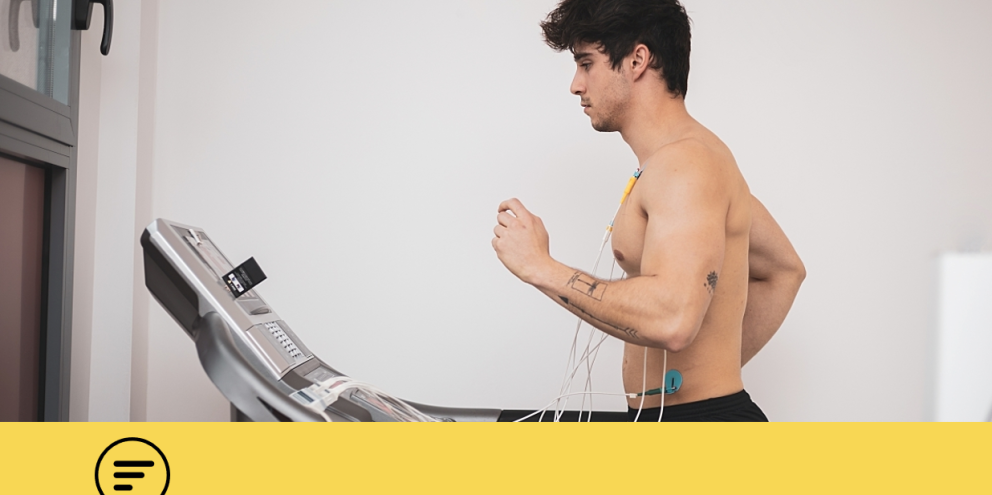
[
  {"x": 776, "y": 274},
  {"x": 621, "y": 308},
  {"x": 627, "y": 334},
  {"x": 768, "y": 303}
]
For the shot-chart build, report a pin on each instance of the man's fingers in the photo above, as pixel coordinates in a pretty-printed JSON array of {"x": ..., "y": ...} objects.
[
  {"x": 499, "y": 230},
  {"x": 514, "y": 206},
  {"x": 505, "y": 219}
]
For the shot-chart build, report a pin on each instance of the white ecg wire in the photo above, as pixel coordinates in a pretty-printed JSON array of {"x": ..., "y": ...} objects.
[
  {"x": 589, "y": 355},
  {"x": 644, "y": 385},
  {"x": 566, "y": 386},
  {"x": 545, "y": 408}
]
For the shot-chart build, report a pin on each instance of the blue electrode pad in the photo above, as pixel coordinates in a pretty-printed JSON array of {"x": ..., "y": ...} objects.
[{"x": 673, "y": 381}]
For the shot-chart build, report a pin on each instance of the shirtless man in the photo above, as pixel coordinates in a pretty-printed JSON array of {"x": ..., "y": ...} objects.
[{"x": 693, "y": 241}]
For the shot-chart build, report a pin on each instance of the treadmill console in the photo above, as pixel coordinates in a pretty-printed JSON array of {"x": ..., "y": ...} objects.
[{"x": 250, "y": 353}]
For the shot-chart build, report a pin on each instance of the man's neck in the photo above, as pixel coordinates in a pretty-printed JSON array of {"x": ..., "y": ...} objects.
[{"x": 653, "y": 122}]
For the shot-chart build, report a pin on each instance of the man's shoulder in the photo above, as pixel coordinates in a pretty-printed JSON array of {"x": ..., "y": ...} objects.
[
  {"x": 693, "y": 160},
  {"x": 688, "y": 171},
  {"x": 697, "y": 152}
]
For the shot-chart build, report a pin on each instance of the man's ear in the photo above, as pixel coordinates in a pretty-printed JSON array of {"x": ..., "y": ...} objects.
[{"x": 639, "y": 60}]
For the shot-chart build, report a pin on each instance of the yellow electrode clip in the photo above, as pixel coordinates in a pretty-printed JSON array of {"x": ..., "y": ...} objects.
[
  {"x": 630, "y": 186},
  {"x": 626, "y": 192}
]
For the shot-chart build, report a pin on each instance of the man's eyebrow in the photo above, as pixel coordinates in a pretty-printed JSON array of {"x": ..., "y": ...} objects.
[{"x": 582, "y": 55}]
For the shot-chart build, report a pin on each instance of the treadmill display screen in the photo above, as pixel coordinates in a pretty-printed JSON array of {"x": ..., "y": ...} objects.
[{"x": 212, "y": 257}]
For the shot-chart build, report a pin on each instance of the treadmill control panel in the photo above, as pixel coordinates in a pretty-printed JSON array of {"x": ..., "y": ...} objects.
[
  {"x": 288, "y": 346},
  {"x": 273, "y": 340},
  {"x": 249, "y": 352},
  {"x": 277, "y": 343}
]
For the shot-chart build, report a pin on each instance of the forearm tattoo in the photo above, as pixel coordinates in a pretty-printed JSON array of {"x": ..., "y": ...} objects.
[
  {"x": 630, "y": 332},
  {"x": 711, "y": 282},
  {"x": 588, "y": 285}
]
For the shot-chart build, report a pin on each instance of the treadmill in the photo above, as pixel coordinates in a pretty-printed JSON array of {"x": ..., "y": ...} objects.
[{"x": 256, "y": 360}]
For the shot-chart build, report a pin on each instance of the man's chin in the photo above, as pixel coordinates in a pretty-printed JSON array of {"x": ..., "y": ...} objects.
[{"x": 603, "y": 126}]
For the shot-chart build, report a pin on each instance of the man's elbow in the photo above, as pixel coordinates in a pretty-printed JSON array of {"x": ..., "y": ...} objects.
[
  {"x": 788, "y": 271},
  {"x": 679, "y": 342},
  {"x": 675, "y": 334},
  {"x": 798, "y": 272}
]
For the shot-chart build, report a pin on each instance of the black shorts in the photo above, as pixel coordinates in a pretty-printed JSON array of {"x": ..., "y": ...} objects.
[{"x": 733, "y": 407}]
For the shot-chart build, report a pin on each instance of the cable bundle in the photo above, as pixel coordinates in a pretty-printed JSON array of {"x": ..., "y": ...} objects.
[
  {"x": 321, "y": 395},
  {"x": 589, "y": 354}
]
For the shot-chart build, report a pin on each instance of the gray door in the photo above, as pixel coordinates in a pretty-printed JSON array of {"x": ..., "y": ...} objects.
[
  {"x": 39, "y": 74},
  {"x": 22, "y": 207}
]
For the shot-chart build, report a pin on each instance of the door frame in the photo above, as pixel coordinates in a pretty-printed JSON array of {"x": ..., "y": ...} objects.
[{"x": 42, "y": 132}]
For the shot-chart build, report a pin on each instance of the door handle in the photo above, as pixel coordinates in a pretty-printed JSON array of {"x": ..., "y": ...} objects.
[
  {"x": 81, "y": 12},
  {"x": 13, "y": 21}
]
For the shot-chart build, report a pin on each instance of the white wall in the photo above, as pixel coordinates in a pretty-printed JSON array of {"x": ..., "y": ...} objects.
[
  {"x": 109, "y": 194},
  {"x": 370, "y": 142}
]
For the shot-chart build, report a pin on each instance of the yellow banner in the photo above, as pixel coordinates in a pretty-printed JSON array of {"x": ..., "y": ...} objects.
[{"x": 142, "y": 458}]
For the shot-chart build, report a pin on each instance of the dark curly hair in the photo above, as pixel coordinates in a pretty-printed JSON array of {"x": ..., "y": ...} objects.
[{"x": 619, "y": 25}]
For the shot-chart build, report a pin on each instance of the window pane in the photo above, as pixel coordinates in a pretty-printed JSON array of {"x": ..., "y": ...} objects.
[
  {"x": 34, "y": 45},
  {"x": 22, "y": 208}
]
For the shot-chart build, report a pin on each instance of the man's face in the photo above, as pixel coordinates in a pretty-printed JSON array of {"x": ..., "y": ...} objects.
[{"x": 604, "y": 92}]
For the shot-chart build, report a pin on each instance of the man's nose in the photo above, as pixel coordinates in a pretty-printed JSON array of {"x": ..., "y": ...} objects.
[{"x": 577, "y": 87}]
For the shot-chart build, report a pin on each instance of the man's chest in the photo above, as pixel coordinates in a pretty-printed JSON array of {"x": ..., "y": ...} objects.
[{"x": 628, "y": 238}]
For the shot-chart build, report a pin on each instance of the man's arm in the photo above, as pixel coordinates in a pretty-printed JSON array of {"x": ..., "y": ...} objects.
[
  {"x": 683, "y": 256},
  {"x": 776, "y": 272}
]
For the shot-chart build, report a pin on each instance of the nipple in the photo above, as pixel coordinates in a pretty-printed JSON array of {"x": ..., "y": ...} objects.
[{"x": 618, "y": 255}]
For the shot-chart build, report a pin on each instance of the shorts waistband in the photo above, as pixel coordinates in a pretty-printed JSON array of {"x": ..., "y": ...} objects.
[{"x": 716, "y": 405}]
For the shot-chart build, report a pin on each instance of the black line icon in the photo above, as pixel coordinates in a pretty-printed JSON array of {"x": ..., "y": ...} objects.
[{"x": 134, "y": 469}]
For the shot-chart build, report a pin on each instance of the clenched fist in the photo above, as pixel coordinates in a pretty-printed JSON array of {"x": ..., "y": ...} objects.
[{"x": 521, "y": 241}]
